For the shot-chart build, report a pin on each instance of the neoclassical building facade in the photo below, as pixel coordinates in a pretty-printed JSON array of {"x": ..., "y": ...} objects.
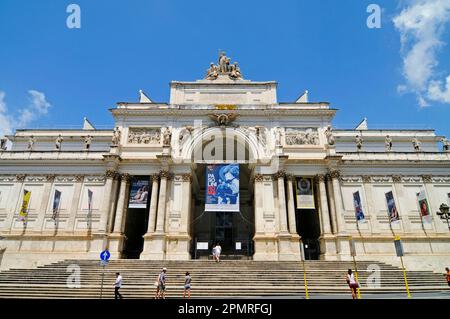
[{"x": 139, "y": 189}]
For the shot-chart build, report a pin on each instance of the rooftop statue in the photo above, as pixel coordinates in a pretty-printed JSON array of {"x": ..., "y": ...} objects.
[{"x": 224, "y": 67}]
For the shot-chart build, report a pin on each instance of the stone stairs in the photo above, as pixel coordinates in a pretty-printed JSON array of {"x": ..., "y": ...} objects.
[{"x": 227, "y": 279}]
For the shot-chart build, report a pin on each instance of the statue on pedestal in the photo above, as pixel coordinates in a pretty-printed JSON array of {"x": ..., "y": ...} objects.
[
  {"x": 3, "y": 142},
  {"x": 31, "y": 142},
  {"x": 224, "y": 67},
  {"x": 416, "y": 144},
  {"x": 329, "y": 135},
  {"x": 445, "y": 144},
  {"x": 87, "y": 142},
  {"x": 359, "y": 142},
  {"x": 388, "y": 143},
  {"x": 58, "y": 142},
  {"x": 116, "y": 137},
  {"x": 167, "y": 137}
]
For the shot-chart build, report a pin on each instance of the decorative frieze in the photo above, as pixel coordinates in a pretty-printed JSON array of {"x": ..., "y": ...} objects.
[
  {"x": 350, "y": 179},
  {"x": 144, "y": 135},
  {"x": 382, "y": 179},
  {"x": 301, "y": 136},
  {"x": 440, "y": 179},
  {"x": 95, "y": 179},
  {"x": 411, "y": 179}
]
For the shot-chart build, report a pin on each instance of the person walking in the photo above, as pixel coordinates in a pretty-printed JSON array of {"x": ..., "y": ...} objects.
[
  {"x": 447, "y": 274},
  {"x": 352, "y": 283},
  {"x": 187, "y": 285},
  {"x": 161, "y": 288},
  {"x": 117, "y": 286},
  {"x": 216, "y": 252}
]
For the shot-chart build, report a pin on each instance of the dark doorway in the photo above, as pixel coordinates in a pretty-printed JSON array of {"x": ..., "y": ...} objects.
[
  {"x": 136, "y": 225},
  {"x": 308, "y": 227},
  {"x": 224, "y": 231}
]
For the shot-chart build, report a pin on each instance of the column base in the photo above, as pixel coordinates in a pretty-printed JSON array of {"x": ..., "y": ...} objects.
[
  {"x": 328, "y": 248},
  {"x": 115, "y": 245},
  {"x": 154, "y": 247},
  {"x": 266, "y": 247},
  {"x": 288, "y": 247},
  {"x": 178, "y": 247}
]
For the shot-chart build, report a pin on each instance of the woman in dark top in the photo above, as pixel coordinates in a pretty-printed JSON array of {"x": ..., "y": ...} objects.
[{"x": 187, "y": 285}]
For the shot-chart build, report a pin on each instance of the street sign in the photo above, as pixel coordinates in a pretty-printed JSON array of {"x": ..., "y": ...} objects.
[
  {"x": 104, "y": 262},
  {"x": 104, "y": 255},
  {"x": 398, "y": 247}
]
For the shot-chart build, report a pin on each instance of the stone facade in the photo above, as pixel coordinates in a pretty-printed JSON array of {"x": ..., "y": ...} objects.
[{"x": 283, "y": 141}]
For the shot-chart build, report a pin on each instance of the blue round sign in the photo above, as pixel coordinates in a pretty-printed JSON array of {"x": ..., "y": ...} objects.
[{"x": 104, "y": 255}]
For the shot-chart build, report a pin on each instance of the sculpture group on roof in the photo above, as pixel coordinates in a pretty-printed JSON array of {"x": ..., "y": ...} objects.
[{"x": 224, "y": 67}]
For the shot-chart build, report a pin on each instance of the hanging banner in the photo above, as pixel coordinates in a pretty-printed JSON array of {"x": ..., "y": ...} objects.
[
  {"x": 24, "y": 209},
  {"x": 424, "y": 207},
  {"x": 304, "y": 193},
  {"x": 358, "y": 207},
  {"x": 89, "y": 214},
  {"x": 56, "y": 203},
  {"x": 139, "y": 193},
  {"x": 392, "y": 208},
  {"x": 222, "y": 188}
]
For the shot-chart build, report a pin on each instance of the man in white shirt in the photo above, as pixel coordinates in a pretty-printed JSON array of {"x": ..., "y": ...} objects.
[{"x": 117, "y": 286}]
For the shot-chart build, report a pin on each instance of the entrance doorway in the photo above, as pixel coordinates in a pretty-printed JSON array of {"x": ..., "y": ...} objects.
[
  {"x": 136, "y": 222},
  {"x": 234, "y": 231}
]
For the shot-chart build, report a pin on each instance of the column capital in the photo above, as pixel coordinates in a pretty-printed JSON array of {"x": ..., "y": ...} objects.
[
  {"x": 125, "y": 177},
  {"x": 334, "y": 174},
  {"x": 187, "y": 177},
  {"x": 366, "y": 178},
  {"x": 258, "y": 177},
  {"x": 426, "y": 178},
  {"x": 320, "y": 177},
  {"x": 280, "y": 174},
  {"x": 20, "y": 177},
  {"x": 110, "y": 173},
  {"x": 154, "y": 177},
  {"x": 164, "y": 174},
  {"x": 50, "y": 177},
  {"x": 290, "y": 177},
  {"x": 79, "y": 178},
  {"x": 397, "y": 178}
]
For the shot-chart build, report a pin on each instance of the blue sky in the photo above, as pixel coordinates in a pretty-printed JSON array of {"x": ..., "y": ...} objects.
[{"x": 323, "y": 46}]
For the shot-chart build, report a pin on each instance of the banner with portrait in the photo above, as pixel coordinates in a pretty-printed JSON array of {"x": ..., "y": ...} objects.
[
  {"x": 56, "y": 203},
  {"x": 392, "y": 208},
  {"x": 25, "y": 202},
  {"x": 424, "y": 207},
  {"x": 139, "y": 192},
  {"x": 359, "y": 213},
  {"x": 222, "y": 188},
  {"x": 304, "y": 192}
]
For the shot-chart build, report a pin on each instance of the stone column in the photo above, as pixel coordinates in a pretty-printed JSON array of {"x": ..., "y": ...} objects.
[
  {"x": 75, "y": 202},
  {"x": 162, "y": 203},
  {"x": 370, "y": 213},
  {"x": 282, "y": 202},
  {"x": 340, "y": 221},
  {"x": 291, "y": 205},
  {"x": 258, "y": 204},
  {"x": 106, "y": 204},
  {"x": 113, "y": 205},
  {"x": 155, "y": 243},
  {"x": 434, "y": 205},
  {"x": 153, "y": 204},
  {"x": 44, "y": 204},
  {"x": 288, "y": 245},
  {"x": 14, "y": 207},
  {"x": 324, "y": 213},
  {"x": 330, "y": 193},
  {"x": 402, "y": 211},
  {"x": 122, "y": 204}
]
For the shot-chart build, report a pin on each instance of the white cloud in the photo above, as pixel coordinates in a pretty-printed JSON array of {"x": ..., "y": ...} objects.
[
  {"x": 38, "y": 106},
  {"x": 421, "y": 26}
]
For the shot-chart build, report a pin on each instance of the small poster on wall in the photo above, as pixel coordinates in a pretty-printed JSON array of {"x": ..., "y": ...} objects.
[
  {"x": 139, "y": 193},
  {"x": 392, "y": 208},
  {"x": 424, "y": 207},
  {"x": 304, "y": 193},
  {"x": 358, "y": 207}
]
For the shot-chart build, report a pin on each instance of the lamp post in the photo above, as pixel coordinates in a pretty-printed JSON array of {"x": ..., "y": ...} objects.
[{"x": 443, "y": 213}]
